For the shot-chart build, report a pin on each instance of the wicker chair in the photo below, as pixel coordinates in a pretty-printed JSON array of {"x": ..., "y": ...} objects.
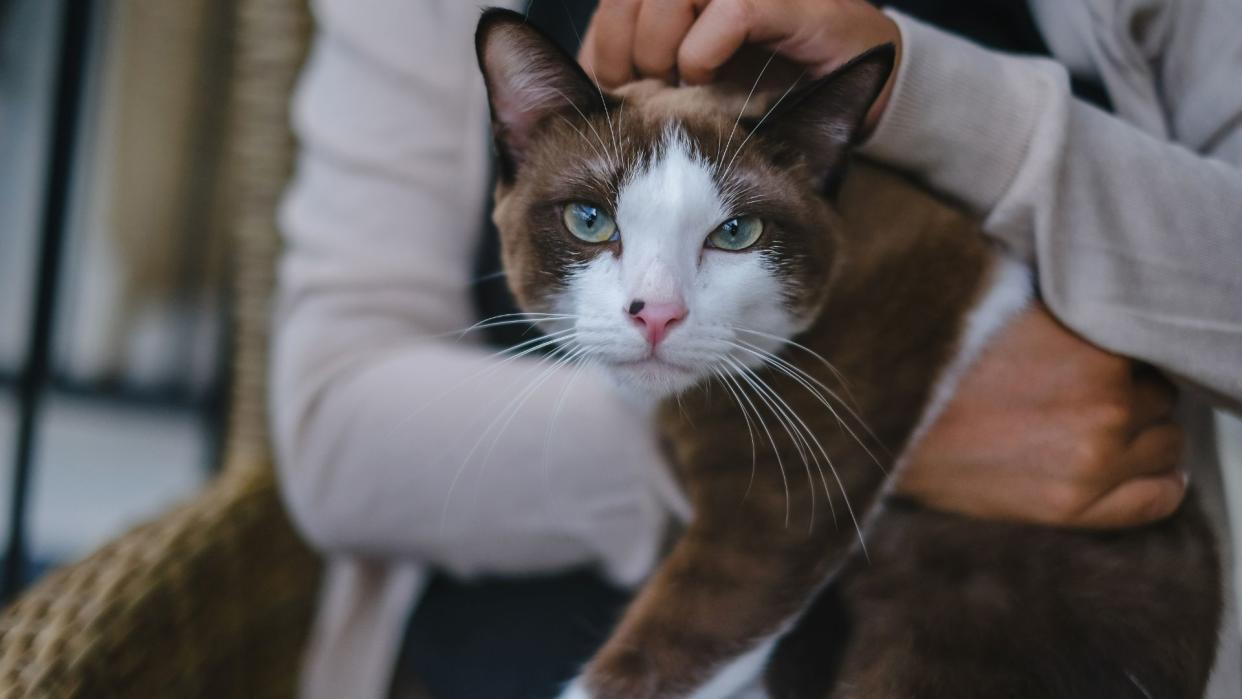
[{"x": 213, "y": 599}]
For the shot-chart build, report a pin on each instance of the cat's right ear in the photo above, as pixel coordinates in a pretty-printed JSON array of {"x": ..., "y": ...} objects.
[
  {"x": 529, "y": 79},
  {"x": 821, "y": 121}
]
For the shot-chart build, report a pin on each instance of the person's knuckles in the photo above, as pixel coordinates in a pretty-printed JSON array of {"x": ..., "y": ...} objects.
[
  {"x": 1093, "y": 460},
  {"x": 1111, "y": 416}
]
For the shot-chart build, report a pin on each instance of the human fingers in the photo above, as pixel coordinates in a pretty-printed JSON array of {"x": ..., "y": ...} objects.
[
  {"x": 719, "y": 31},
  {"x": 662, "y": 24},
  {"x": 1135, "y": 502},
  {"x": 611, "y": 49},
  {"x": 1147, "y": 484}
]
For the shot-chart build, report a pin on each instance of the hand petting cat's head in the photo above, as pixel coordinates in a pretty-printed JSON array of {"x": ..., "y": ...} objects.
[{"x": 669, "y": 233}]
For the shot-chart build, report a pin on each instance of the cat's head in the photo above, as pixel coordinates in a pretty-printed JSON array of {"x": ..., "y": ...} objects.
[{"x": 669, "y": 232}]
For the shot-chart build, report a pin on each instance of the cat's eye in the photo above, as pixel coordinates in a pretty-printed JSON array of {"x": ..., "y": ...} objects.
[
  {"x": 736, "y": 234},
  {"x": 589, "y": 223}
]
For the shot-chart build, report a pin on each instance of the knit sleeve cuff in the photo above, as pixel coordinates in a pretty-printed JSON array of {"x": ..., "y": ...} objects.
[{"x": 962, "y": 118}]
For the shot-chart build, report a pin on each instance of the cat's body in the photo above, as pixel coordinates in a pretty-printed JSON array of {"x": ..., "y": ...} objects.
[
  {"x": 806, "y": 341},
  {"x": 937, "y": 605}
]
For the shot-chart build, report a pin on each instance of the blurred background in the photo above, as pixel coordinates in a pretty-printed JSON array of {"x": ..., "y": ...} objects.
[{"x": 112, "y": 282}]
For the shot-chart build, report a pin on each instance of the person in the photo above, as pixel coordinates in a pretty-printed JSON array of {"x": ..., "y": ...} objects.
[{"x": 1131, "y": 221}]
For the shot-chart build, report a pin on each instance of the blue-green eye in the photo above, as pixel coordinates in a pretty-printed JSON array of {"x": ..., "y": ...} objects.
[
  {"x": 590, "y": 224},
  {"x": 736, "y": 234}
]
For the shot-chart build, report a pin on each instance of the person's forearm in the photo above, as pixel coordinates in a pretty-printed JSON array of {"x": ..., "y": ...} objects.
[
  {"x": 1137, "y": 241},
  {"x": 433, "y": 452},
  {"x": 372, "y": 416}
]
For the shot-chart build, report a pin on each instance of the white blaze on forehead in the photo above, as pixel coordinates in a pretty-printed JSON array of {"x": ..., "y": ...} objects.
[{"x": 665, "y": 210}]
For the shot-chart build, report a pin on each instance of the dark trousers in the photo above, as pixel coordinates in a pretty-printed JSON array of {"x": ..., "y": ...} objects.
[{"x": 505, "y": 639}]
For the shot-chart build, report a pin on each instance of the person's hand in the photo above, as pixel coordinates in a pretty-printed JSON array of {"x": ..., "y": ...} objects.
[
  {"x": 1046, "y": 428},
  {"x": 692, "y": 40}
]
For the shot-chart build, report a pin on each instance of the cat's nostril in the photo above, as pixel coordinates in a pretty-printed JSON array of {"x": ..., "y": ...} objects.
[
  {"x": 655, "y": 319},
  {"x": 636, "y": 307}
]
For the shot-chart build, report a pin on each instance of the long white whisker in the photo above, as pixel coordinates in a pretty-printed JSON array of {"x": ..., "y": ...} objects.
[
  {"x": 836, "y": 476},
  {"x": 749, "y": 95},
  {"x": 835, "y": 372},
  {"x": 509, "y": 410},
  {"x": 595, "y": 81},
  {"x": 584, "y": 138},
  {"x": 805, "y": 380},
  {"x": 764, "y": 118},
  {"x": 775, "y": 450},
  {"x": 749, "y": 428},
  {"x": 526, "y": 348},
  {"x": 589, "y": 123},
  {"x": 788, "y": 416},
  {"x": 461, "y": 469},
  {"x": 544, "y": 378},
  {"x": 523, "y": 317},
  {"x": 556, "y": 413}
]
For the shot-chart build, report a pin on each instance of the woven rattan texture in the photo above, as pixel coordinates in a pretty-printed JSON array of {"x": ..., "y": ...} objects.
[{"x": 214, "y": 598}]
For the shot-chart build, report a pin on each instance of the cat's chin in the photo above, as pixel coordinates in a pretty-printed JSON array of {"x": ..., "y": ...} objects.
[{"x": 651, "y": 380}]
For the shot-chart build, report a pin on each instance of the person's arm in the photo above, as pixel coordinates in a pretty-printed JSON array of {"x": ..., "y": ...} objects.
[
  {"x": 374, "y": 410},
  {"x": 1137, "y": 241}
]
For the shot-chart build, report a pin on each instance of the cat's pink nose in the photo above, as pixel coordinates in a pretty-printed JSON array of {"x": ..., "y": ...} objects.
[{"x": 656, "y": 318}]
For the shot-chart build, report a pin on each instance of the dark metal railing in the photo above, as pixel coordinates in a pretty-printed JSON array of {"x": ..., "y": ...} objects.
[{"x": 32, "y": 380}]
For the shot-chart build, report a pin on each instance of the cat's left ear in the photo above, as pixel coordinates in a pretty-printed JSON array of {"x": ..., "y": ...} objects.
[{"x": 822, "y": 120}]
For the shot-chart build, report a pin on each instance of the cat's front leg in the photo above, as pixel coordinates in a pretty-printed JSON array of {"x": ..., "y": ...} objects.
[
  {"x": 704, "y": 625},
  {"x": 741, "y": 678}
]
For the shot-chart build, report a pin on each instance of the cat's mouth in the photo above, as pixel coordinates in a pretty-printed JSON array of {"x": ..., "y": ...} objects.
[
  {"x": 653, "y": 363},
  {"x": 654, "y": 374}
]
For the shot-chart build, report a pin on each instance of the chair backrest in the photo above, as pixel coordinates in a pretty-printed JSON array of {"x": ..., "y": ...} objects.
[{"x": 271, "y": 43}]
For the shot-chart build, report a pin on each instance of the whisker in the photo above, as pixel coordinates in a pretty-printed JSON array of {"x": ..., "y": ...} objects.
[
  {"x": 522, "y": 316},
  {"x": 461, "y": 469},
  {"x": 595, "y": 81},
  {"x": 573, "y": 126},
  {"x": 526, "y": 348},
  {"x": 787, "y": 416},
  {"x": 556, "y": 413},
  {"x": 804, "y": 379},
  {"x": 764, "y": 118},
  {"x": 836, "y": 476},
  {"x": 590, "y": 124},
  {"x": 749, "y": 428},
  {"x": 746, "y": 103},
  {"x": 509, "y": 410},
  {"x": 775, "y": 450},
  {"x": 845, "y": 385},
  {"x": 488, "y": 277},
  {"x": 539, "y": 382}
]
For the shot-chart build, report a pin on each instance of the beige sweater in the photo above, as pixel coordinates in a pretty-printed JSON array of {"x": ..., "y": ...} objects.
[{"x": 1132, "y": 221}]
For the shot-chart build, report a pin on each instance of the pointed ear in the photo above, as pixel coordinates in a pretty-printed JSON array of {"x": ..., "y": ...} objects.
[
  {"x": 529, "y": 78},
  {"x": 821, "y": 120}
]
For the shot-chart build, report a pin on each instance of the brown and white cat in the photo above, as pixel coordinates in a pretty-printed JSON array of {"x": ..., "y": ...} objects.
[{"x": 728, "y": 266}]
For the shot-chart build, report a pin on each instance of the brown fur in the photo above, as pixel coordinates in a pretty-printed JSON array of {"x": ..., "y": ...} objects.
[{"x": 938, "y": 605}]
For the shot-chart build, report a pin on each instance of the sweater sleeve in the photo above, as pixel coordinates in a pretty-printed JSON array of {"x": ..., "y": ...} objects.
[
  {"x": 1137, "y": 241},
  {"x": 395, "y": 438}
]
